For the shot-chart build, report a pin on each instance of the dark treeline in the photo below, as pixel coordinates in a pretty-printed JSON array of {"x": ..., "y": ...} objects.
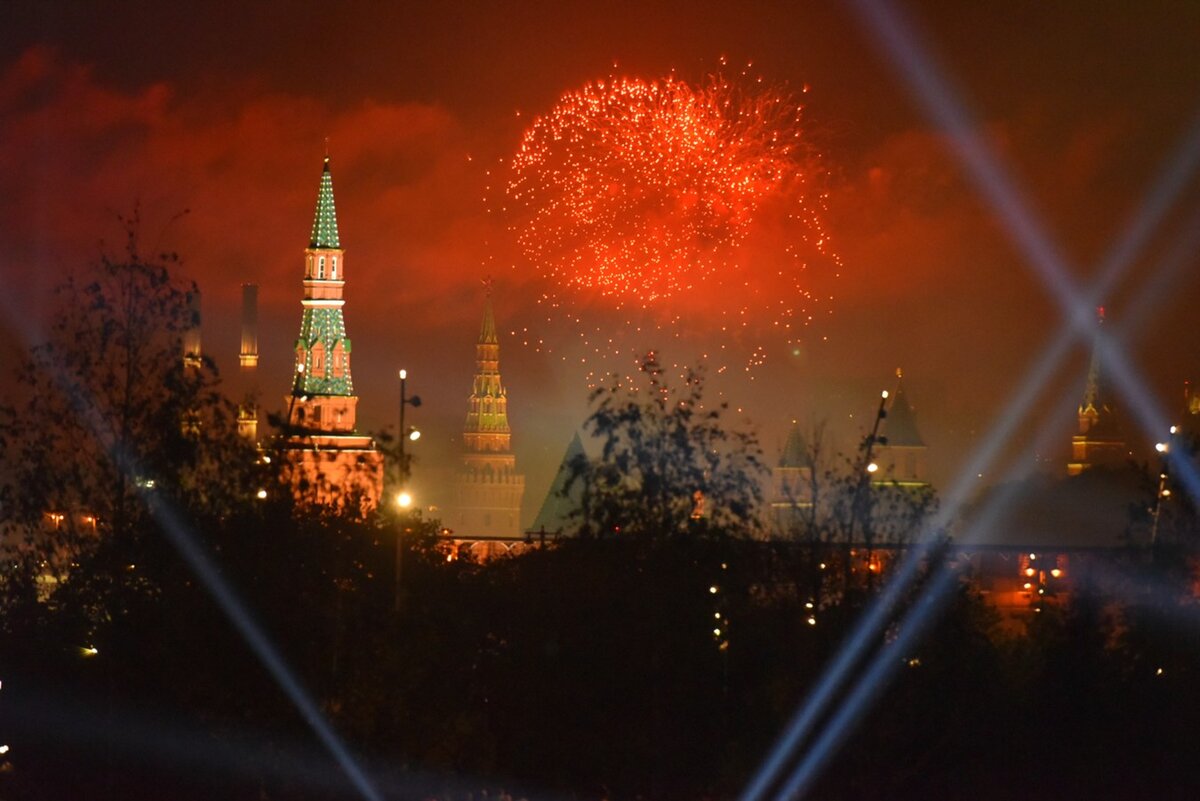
[{"x": 658, "y": 655}]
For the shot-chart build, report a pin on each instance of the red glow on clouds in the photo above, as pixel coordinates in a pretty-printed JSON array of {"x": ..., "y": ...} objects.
[{"x": 245, "y": 168}]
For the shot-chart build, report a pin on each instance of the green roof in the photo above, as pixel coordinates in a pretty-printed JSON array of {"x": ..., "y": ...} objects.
[
  {"x": 324, "y": 230},
  {"x": 327, "y": 327}
]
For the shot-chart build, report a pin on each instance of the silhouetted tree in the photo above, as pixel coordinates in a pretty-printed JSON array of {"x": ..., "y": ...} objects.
[{"x": 668, "y": 461}]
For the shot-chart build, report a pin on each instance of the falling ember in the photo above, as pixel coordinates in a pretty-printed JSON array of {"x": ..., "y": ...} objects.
[{"x": 657, "y": 196}]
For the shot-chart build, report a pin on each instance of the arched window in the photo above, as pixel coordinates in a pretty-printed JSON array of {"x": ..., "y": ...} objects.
[{"x": 321, "y": 267}]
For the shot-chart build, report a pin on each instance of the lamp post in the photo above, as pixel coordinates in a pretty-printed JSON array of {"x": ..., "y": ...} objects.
[
  {"x": 1163, "y": 448},
  {"x": 414, "y": 402},
  {"x": 403, "y": 499},
  {"x": 864, "y": 479}
]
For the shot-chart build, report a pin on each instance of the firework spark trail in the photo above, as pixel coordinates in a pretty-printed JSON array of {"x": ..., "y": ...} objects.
[{"x": 643, "y": 193}]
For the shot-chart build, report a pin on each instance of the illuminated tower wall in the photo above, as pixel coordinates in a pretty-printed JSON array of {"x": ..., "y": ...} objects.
[
  {"x": 333, "y": 461},
  {"x": 192, "y": 353},
  {"x": 248, "y": 363},
  {"x": 488, "y": 489}
]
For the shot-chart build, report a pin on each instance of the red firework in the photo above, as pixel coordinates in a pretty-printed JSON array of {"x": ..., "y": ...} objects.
[{"x": 643, "y": 189}]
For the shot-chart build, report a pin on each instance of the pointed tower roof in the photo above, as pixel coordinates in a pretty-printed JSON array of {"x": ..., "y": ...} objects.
[
  {"x": 324, "y": 230},
  {"x": 556, "y": 510},
  {"x": 900, "y": 427},
  {"x": 795, "y": 449},
  {"x": 488, "y": 409},
  {"x": 1095, "y": 398},
  {"x": 487, "y": 331}
]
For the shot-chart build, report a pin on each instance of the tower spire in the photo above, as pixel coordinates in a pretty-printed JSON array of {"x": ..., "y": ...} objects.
[
  {"x": 323, "y": 348},
  {"x": 487, "y": 331},
  {"x": 487, "y": 413},
  {"x": 332, "y": 463},
  {"x": 1099, "y": 440},
  {"x": 1094, "y": 400},
  {"x": 903, "y": 454},
  {"x": 324, "y": 230},
  {"x": 488, "y": 487}
]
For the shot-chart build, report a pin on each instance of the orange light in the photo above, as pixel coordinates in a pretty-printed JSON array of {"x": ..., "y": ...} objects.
[
  {"x": 1056, "y": 572},
  {"x": 1029, "y": 571}
]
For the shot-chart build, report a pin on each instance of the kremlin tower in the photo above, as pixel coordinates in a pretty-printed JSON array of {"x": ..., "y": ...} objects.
[
  {"x": 902, "y": 456},
  {"x": 487, "y": 487},
  {"x": 331, "y": 461},
  {"x": 1100, "y": 440},
  {"x": 791, "y": 483}
]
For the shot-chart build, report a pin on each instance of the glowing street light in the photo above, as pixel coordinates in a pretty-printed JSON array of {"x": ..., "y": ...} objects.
[
  {"x": 404, "y": 433},
  {"x": 403, "y": 499}
]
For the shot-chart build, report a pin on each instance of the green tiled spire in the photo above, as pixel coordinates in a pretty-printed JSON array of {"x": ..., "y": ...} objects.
[
  {"x": 323, "y": 349},
  {"x": 324, "y": 230},
  {"x": 326, "y": 365}
]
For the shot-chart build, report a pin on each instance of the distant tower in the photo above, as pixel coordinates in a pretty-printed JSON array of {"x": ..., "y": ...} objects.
[
  {"x": 332, "y": 461},
  {"x": 791, "y": 482},
  {"x": 1100, "y": 440},
  {"x": 904, "y": 459},
  {"x": 248, "y": 362},
  {"x": 193, "y": 358},
  {"x": 488, "y": 489},
  {"x": 191, "y": 335},
  {"x": 248, "y": 355}
]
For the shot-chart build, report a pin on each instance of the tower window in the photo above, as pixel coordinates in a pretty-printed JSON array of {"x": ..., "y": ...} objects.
[
  {"x": 333, "y": 268},
  {"x": 321, "y": 267}
]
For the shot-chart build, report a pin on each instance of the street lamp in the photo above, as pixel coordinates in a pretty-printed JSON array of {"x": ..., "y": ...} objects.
[
  {"x": 861, "y": 501},
  {"x": 403, "y": 498},
  {"x": 1163, "y": 448},
  {"x": 405, "y": 434}
]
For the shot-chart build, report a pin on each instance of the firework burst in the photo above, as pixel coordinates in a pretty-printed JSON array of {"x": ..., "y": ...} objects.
[{"x": 660, "y": 196}]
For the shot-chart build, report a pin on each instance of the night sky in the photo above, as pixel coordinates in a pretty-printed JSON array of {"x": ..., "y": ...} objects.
[{"x": 224, "y": 110}]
